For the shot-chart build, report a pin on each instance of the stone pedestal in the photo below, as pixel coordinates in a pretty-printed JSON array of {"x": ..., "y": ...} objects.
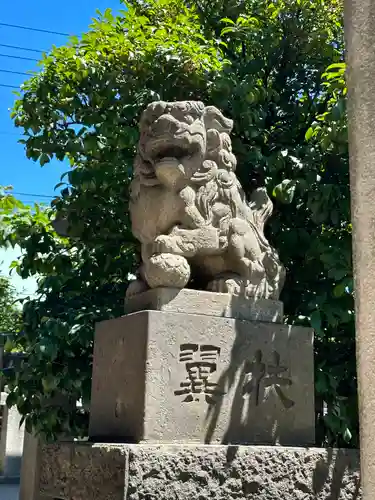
[
  {"x": 163, "y": 377},
  {"x": 176, "y": 378},
  {"x": 144, "y": 472},
  {"x": 223, "y": 305}
]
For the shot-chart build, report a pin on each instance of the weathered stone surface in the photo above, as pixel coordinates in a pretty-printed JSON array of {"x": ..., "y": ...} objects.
[
  {"x": 11, "y": 440},
  {"x": 143, "y": 472},
  {"x": 360, "y": 58},
  {"x": 207, "y": 303},
  {"x": 31, "y": 456},
  {"x": 29, "y": 484},
  {"x": 172, "y": 377},
  {"x": 81, "y": 472},
  {"x": 189, "y": 211}
]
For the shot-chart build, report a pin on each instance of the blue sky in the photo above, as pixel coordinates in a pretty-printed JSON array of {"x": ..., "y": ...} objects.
[{"x": 68, "y": 16}]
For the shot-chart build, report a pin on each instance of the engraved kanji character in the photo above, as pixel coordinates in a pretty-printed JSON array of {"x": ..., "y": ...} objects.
[
  {"x": 200, "y": 363},
  {"x": 255, "y": 372},
  {"x": 276, "y": 380}
]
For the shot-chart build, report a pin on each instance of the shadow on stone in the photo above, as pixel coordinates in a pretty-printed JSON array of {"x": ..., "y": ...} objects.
[
  {"x": 270, "y": 376},
  {"x": 245, "y": 406},
  {"x": 333, "y": 470}
]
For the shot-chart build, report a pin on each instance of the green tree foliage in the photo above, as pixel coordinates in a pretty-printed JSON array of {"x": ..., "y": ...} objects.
[
  {"x": 10, "y": 314},
  {"x": 276, "y": 68},
  {"x": 10, "y": 311}
]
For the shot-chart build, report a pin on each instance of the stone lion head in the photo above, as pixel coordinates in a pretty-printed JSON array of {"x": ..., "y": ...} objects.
[{"x": 176, "y": 138}]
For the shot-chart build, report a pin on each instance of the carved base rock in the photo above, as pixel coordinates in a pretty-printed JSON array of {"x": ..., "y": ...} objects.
[
  {"x": 166, "y": 377},
  {"x": 143, "y": 472},
  {"x": 206, "y": 303}
]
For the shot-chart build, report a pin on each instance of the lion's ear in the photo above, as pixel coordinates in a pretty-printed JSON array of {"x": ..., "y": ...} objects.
[
  {"x": 214, "y": 119},
  {"x": 152, "y": 112},
  {"x": 261, "y": 205}
]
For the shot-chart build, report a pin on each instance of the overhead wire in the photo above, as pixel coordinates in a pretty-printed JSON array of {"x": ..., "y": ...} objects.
[
  {"x": 17, "y": 47},
  {"x": 21, "y": 48},
  {"x": 9, "y": 86},
  {"x": 32, "y": 202},
  {"x": 19, "y": 57},
  {"x": 18, "y": 26},
  {"x": 14, "y": 72},
  {"x": 10, "y": 56},
  {"x": 9, "y": 71},
  {"x": 4, "y": 85},
  {"x": 30, "y": 194}
]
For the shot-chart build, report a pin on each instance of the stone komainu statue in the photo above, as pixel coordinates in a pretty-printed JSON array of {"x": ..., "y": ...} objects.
[{"x": 189, "y": 211}]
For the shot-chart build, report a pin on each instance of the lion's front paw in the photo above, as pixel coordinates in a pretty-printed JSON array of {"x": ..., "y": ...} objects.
[{"x": 168, "y": 244}]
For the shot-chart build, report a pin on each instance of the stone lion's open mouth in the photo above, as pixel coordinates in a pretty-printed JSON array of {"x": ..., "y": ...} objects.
[{"x": 169, "y": 152}]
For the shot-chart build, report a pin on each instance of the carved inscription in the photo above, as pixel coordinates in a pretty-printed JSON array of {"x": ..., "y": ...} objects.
[
  {"x": 261, "y": 377},
  {"x": 200, "y": 362}
]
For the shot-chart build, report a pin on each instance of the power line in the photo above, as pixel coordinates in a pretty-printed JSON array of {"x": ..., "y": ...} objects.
[
  {"x": 33, "y": 29},
  {"x": 21, "y": 48},
  {"x": 19, "y": 57},
  {"x": 31, "y": 202},
  {"x": 9, "y": 86},
  {"x": 14, "y": 72},
  {"x": 30, "y": 194}
]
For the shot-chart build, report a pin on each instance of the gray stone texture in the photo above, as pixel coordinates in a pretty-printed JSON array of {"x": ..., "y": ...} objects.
[
  {"x": 143, "y": 472},
  {"x": 207, "y": 303},
  {"x": 11, "y": 440},
  {"x": 29, "y": 483},
  {"x": 32, "y": 446},
  {"x": 171, "y": 377},
  {"x": 81, "y": 472},
  {"x": 360, "y": 58}
]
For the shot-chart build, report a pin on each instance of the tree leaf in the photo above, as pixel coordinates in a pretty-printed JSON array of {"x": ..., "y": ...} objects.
[
  {"x": 316, "y": 321},
  {"x": 284, "y": 192}
]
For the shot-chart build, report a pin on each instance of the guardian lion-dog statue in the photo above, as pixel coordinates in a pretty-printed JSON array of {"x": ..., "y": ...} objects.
[{"x": 189, "y": 211}]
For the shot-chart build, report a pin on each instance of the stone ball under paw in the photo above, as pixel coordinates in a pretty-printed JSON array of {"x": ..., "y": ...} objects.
[{"x": 167, "y": 270}]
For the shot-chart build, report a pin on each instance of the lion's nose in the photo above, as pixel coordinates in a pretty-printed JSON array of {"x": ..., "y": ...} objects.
[{"x": 165, "y": 124}]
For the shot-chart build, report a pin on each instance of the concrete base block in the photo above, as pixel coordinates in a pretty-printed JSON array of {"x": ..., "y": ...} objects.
[
  {"x": 178, "y": 472},
  {"x": 32, "y": 446},
  {"x": 163, "y": 377},
  {"x": 189, "y": 301}
]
